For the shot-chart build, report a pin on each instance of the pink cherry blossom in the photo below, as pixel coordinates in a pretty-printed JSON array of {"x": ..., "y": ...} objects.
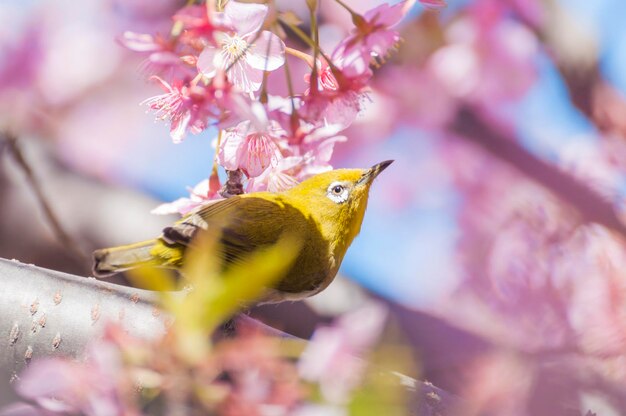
[
  {"x": 373, "y": 36},
  {"x": 196, "y": 23},
  {"x": 187, "y": 107},
  {"x": 486, "y": 61},
  {"x": 317, "y": 148},
  {"x": 327, "y": 107},
  {"x": 96, "y": 387},
  {"x": 354, "y": 66},
  {"x": 162, "y": 57},
  {"x": 277, "y": 178},
  {"x": 325, "y": 78},
  {"x": 337, "y": 100},
  {"x": 243, "y": 52},
  {"x": 331, "y": 357},
  {"x": 249, "y": 148}
]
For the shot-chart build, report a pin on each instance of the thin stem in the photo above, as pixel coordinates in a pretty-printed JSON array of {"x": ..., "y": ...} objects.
[
  {"x": 357, "y": 19},
  {"x": 345, "y": 6},
  {"x": 305, "y": 38},
  {"x": 301, "y": 55},
  {"x": 214, "y": 179},
  {"x": 219, "y": 142},
  {"x": 263, "y": 97},
  {"x": 289, "y": 83},
  {"x": 10, "y": 142},
  {"x": 293, "y": 118},
  {"x": 316, "y": 40},
  {"x": 217, "y": 149},
  {"x": 263, "y": 94}
]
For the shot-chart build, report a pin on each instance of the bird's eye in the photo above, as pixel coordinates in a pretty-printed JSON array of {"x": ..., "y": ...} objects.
[{"x": 337, "y": 192}]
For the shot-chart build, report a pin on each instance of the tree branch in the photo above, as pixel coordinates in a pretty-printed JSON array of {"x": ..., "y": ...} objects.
[
  {"x": 49, "y": 313},
  {"x": 590, "y": 204},
  {"x": 9, "y": 141}
]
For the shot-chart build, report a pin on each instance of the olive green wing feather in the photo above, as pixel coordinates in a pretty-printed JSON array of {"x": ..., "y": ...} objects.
[
  {"x": 244, "y": 224},
  {"x": 183, "y": 231}
]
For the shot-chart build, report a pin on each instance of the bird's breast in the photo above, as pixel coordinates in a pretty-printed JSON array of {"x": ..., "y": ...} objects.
[{"x": 314, "y": 269}]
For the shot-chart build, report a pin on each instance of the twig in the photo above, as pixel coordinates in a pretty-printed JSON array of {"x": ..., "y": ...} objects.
[
  {"x": 10, "y": 143},
  {"x": 233, "y": 185}
]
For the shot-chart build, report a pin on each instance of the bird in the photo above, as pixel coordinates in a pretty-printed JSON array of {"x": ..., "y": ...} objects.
[{"x": 326, "y": 211}]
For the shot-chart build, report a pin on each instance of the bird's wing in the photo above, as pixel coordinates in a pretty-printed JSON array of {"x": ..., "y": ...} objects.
[
  {"x": 183, "y": 231},
  {"x": 244, "y": 223}
]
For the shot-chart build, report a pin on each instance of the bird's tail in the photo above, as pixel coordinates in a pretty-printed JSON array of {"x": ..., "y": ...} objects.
[{"x": 116, "y": 259}]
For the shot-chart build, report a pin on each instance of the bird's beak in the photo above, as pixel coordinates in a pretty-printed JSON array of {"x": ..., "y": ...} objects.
[{"x": 373, "y": 172}]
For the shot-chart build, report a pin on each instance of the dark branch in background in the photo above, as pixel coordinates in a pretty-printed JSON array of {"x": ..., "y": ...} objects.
[
  {"x": 574, "y": 49},
  {"x": 49, "y": 313},
  {"x": 9, "y": 142},
  {"x": 590, "y": 204}
]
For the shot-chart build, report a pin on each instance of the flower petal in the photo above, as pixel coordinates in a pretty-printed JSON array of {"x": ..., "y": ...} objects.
[
  {"x": 257, "y": 153},
  {"x": 267, "y": 53},
  {"x": 231, "y": 142},
  {"x": 207, "y": 61},
  {"x": 139, "y": 42},
  {"x": 324, "y": 150},
  {"x": 178, "y": 127},
  {"x": 244, "y": 77},
  {"x": 246, "y": 18},
  {"x": 280, "y": 181},
  {"x": 36, "y": 383},
  {"x": 381, "y": 42},
  {"x": 386, "y": 15}
]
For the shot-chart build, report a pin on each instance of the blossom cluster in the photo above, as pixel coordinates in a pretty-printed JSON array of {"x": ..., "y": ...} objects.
[{"x": 215, "y": 68}]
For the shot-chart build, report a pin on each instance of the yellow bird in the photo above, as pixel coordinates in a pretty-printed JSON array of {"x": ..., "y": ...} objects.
[{"x": 326, "y": 210}]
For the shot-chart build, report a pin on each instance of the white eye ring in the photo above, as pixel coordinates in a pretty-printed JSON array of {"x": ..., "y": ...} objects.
[{"x": 337, "y": 193}]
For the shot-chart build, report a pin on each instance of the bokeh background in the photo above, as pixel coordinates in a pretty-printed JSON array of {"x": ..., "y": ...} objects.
[{"x": 496, "y": 237}]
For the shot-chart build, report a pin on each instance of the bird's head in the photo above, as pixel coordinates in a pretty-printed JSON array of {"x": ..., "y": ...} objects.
[{"x": 338, "y": 198}]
